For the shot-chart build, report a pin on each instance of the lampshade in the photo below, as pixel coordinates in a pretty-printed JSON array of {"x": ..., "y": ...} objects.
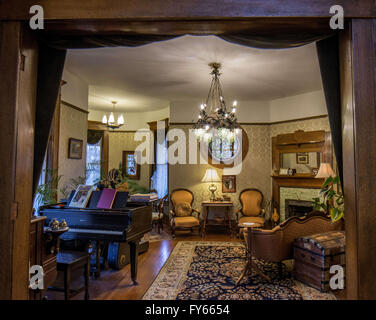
[
  {"x": 211, "y": 176},
  {"x": 325, "y": 171}
]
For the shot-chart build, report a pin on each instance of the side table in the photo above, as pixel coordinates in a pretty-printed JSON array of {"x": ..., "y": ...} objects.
[{"x": 215, "y": 204}]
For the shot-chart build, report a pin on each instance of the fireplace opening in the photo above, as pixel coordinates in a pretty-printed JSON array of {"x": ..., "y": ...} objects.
[{"x": 297, "y": 208}]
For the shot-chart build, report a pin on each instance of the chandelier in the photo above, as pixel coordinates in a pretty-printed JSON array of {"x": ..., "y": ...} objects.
[
  {"x": 214, "y": 114},
  {"x": 110, "y": 121}
]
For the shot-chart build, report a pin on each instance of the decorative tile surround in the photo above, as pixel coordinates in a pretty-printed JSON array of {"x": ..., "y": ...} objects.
[{"x": 295, "y": 194}]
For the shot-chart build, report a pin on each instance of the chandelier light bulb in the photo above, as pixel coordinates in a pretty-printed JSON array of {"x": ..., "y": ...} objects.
[
  {"x": 202, "y": 106},
  {"x": 207, "y": 127},
  {"x": 233, "y": 110},
  {"x": 111, "y": 118},
  {"x": 235, "y": 103},
  {"x": 199, "y": 116},
  {"x": 120, "y": 120},
  {"x": 104, "y": 119}
]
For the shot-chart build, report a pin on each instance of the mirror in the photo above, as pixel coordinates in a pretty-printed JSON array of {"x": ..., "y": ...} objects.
[{"x": 302, "y": 162}]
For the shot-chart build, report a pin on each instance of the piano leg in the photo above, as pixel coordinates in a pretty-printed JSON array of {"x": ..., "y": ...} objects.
[
  {"x": 133, "y": 246},
  {"x": 98, "y": 260}
]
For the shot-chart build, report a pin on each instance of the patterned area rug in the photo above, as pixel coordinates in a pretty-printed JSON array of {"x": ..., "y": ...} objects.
[{"x": 198, "y": 270}]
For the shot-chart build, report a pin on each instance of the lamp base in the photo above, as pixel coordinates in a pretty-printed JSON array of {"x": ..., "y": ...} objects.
[{"x": 212, "y": 189}]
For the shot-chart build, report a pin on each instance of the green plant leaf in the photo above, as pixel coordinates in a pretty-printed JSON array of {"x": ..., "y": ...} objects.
[{"x": 327, "y": 182}]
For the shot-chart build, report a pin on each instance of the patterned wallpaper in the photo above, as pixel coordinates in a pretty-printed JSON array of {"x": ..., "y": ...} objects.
[
  {"x": 306, "y": 125},
  {"x": 73, "y": 124},
  {"x": 124, "y": 141},
  {"x": 257, "y": 166}
]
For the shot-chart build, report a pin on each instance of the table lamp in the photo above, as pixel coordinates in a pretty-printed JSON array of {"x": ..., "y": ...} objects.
[
  {"x": 325, "y": 171},
  {"x": 211, "y": 176}
]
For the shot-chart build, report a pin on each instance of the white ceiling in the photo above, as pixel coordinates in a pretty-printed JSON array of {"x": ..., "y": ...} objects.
[{"x": 149, "y": 77}]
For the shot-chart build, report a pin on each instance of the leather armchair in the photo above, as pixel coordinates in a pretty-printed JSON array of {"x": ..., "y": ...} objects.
[
  {"x": 251, "y": 210},
  {"x": 181, "y": 201},
  {"x": 276, "y": 245}
]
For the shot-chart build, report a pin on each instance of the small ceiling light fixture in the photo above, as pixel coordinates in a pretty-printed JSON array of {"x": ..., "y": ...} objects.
[
  {"x": 214, "y": 113},
  {"x": 110, "y": 121}
]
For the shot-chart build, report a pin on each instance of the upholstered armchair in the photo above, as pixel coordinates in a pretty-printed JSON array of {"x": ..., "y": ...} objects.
[
  {"x": 251, "y": 210},
  {"x": 276, "y": 245},
  {"x": 182, "y": 215}
]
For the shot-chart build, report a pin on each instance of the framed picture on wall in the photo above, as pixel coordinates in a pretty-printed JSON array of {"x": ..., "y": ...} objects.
[
  {"x": 228, "y": 184},
  {"x": 302, "y": 158},
  {"x": 131, "y": 168},
  {"x": 75, "y": 148}
]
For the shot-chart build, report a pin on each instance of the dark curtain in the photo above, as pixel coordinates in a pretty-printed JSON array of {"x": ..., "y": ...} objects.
[
  {"x": 93, "y": 136},
  {"x": 53, "y": 51},
  {"x": 273, "y": 41},
  {"x": 328, "y": 54},
  {"x": 50, "y": 70}
]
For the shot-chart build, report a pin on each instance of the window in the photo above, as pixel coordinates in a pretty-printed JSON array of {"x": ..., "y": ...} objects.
[
  {"x": 159, "y": 180},
  {"x": 93, "y": 162},
  {"x": 42, "y": 180}
]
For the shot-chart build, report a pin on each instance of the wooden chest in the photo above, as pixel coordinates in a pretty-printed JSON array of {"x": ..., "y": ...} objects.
[{"x": 315, "y": 254}]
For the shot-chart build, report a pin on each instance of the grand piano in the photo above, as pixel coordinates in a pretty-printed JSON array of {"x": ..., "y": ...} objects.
[{"x": 127, "y": 225}]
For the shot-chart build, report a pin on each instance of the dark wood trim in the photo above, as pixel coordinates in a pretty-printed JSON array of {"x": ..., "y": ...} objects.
[
  {"x": 17, "y": 96},
  {"x": 181, "y": 9},
  {"x": 153, "y": 126},
  {"x": 358, "y": 90},
  {"x": 349, "y": 169},
  {"x": 23, "y": 187},
  {"x": 10, "y": 35},
  {"x": 74, "y": 107},
  {"x": 106, "y": 152},
  {"x": 258, "y": 123},
  {"x": 99, "y": 126}
]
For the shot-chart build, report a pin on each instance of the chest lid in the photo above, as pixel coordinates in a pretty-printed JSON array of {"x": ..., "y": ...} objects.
[{"x": 324, "y": 244}]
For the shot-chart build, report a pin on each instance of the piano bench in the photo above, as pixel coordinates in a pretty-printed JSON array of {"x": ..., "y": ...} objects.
[{"x": 68, "y": 261}]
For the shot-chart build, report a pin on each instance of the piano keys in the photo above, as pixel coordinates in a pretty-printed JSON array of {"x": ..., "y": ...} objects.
[{"x": 127, "y": 224}]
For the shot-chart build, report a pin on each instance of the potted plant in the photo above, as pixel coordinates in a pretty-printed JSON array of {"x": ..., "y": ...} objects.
[
  {"x": 330, "y": 199},
  {"x": 47, "y": 192}
]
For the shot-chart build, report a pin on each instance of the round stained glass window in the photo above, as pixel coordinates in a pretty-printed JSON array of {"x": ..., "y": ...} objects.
[{"x": 224, "y": 150}]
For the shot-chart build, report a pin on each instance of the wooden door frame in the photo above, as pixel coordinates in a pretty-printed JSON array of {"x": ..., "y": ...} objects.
[{"x": 357, "y": 48}]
